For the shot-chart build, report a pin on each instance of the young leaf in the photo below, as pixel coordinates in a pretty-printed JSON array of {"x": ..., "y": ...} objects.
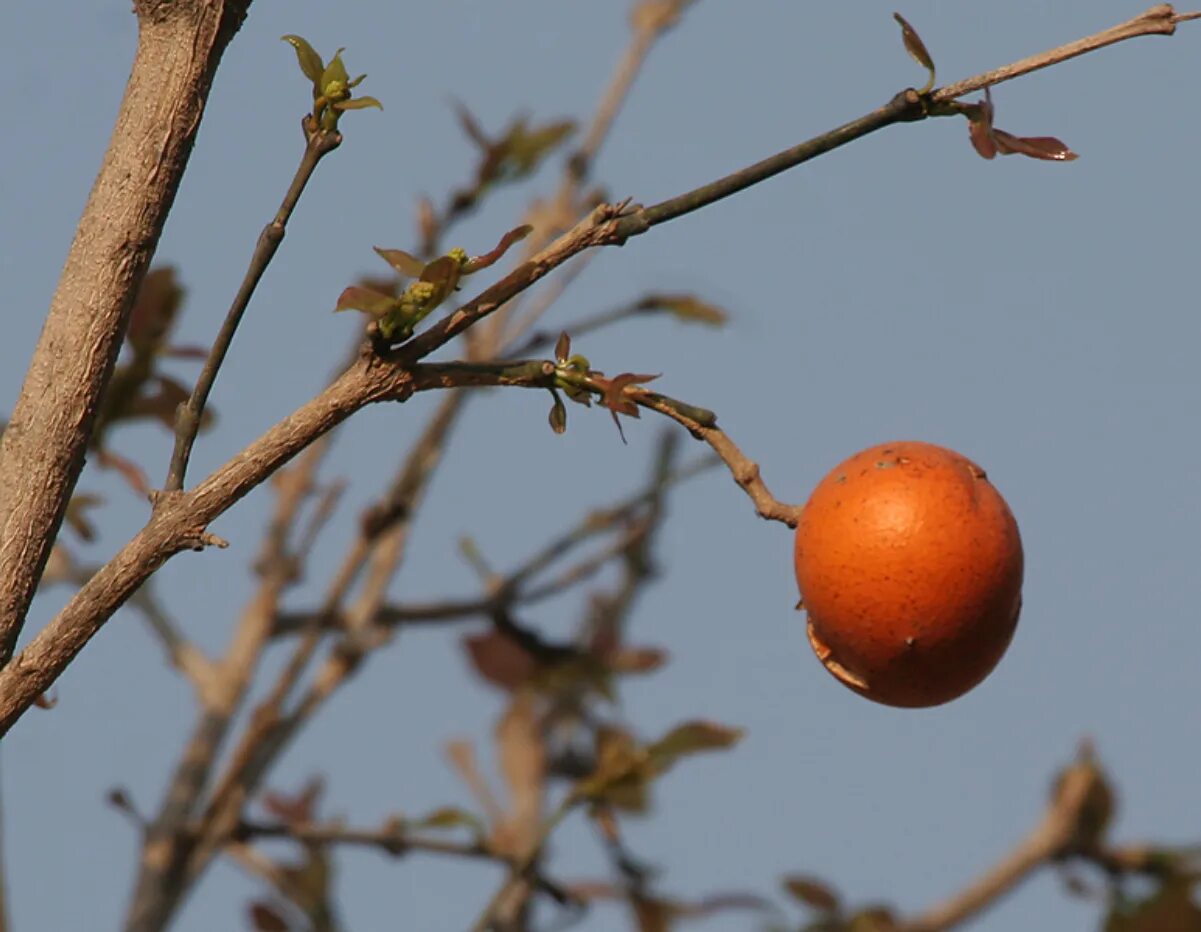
[
  {"x": 614, "y": 398},
  {"x": 1047, "y": 148},
  {"x": 686, "y": 307},
  {"x": 558, "y": 415},
  {"x": 405, "y": 264},
  {"x": 450, "y": 817},
  {"x": 335, "y": 73},
  {"x": 812, "y": 892},
  {"x": 301, "y": 807},
  {"x": 917, "y": 48},
  {"x": 358, "y": 103},
  {"x": 500, "y": 660},
  {"x": 482, "y": 262},
  {"x": 691, "y": 738},
  {"x": 562, "y": 348},
  {"x": 988, "y": 141},
  {"x": 367, "y": 300},
  {"x": 310, "y": 61}
]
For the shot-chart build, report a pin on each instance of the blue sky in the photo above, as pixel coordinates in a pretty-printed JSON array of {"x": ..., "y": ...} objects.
[{"x": 1040, "y": 318}]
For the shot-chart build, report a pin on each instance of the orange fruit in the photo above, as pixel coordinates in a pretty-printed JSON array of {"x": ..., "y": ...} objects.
[{"x": 909, "y": 564}]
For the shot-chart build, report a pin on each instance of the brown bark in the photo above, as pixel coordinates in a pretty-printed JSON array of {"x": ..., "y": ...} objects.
[{"x": 43, "y": 448}]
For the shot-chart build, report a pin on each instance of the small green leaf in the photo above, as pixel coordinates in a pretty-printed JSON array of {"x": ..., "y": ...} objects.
[
  {"x": 310, "y": 61},
  {"x": 335, "y": 72},
  {"x": 686, "y": 307},
  {"x": 692, "y": 738},
  {"x": 358, "y": 103},
  {"x": 915, "y": 47},
  {"x": 450, "y": 817}
]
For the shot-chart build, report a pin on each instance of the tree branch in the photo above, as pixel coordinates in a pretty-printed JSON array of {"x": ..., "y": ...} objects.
[
  {"x": 42, "y": 451},
  {"x": 318, "y": 144},
  {"x": 1051, "y": 838},
  {"x": 385, "y": 377}
]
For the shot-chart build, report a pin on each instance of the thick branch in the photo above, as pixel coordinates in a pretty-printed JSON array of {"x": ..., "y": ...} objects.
[
  {"x": 42, "y": 451},
  {"x": 178, "y": 524}
]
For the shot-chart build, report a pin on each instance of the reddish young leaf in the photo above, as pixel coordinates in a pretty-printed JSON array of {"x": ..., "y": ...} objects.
[
  {"x": 299, "y": 808},
  {"x": 558, "y": 415},
  {"x": 614, "y": 398},
  {"x": 989, "y": 141},
  {"x": 562, "y": 348},
  {"x": 500, "y": 660},
  {"x": 264, "y": 917},
  {"x": 812, "y": 892},
  {"x": 513, "y": 236},
  {"x": 636, "y": 659},
  {"x": 1047, "y": 148},
  {"x": 403, "y": 263},
  {"x": 154, "y": 310}
]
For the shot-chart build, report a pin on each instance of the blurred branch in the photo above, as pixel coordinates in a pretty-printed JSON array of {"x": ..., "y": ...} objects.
[
  {"x": 516, "y": 588},
  {"x": 1068, "y": 827},
  {"x": 650, "y": 20},
  {"x": 379, "y": 544},
  {"x": 393, "y": 838},
  {"x": 179, "y": 520},
  {"x": 168, "y": 844},
  {"x": 522, "y": 869}
]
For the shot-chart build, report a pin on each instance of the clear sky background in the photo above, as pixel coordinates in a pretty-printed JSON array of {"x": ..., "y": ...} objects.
[{"x": 1041, "y": 318}]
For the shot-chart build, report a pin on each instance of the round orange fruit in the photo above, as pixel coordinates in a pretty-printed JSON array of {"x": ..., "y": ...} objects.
[{"x": 909, "y": 564}]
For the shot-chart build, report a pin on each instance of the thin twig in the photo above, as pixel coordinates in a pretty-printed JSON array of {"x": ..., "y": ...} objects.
[
  {"x": 271, "y": 728},
  {"x": 650, "y": 21},
  {"x": 700, "y": 422},
  {"x": 1159, "y": 20},
  {"x": 394, "y": 839},
  {"x": 187, "y": 420},
  {"x": 512, "y": 589}
]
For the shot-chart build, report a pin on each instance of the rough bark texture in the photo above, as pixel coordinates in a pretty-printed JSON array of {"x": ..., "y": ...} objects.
[{"x": 43, "y": 448}]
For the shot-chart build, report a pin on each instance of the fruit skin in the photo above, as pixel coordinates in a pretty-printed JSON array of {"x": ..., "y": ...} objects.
[{"x": 909, "y": 564}]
